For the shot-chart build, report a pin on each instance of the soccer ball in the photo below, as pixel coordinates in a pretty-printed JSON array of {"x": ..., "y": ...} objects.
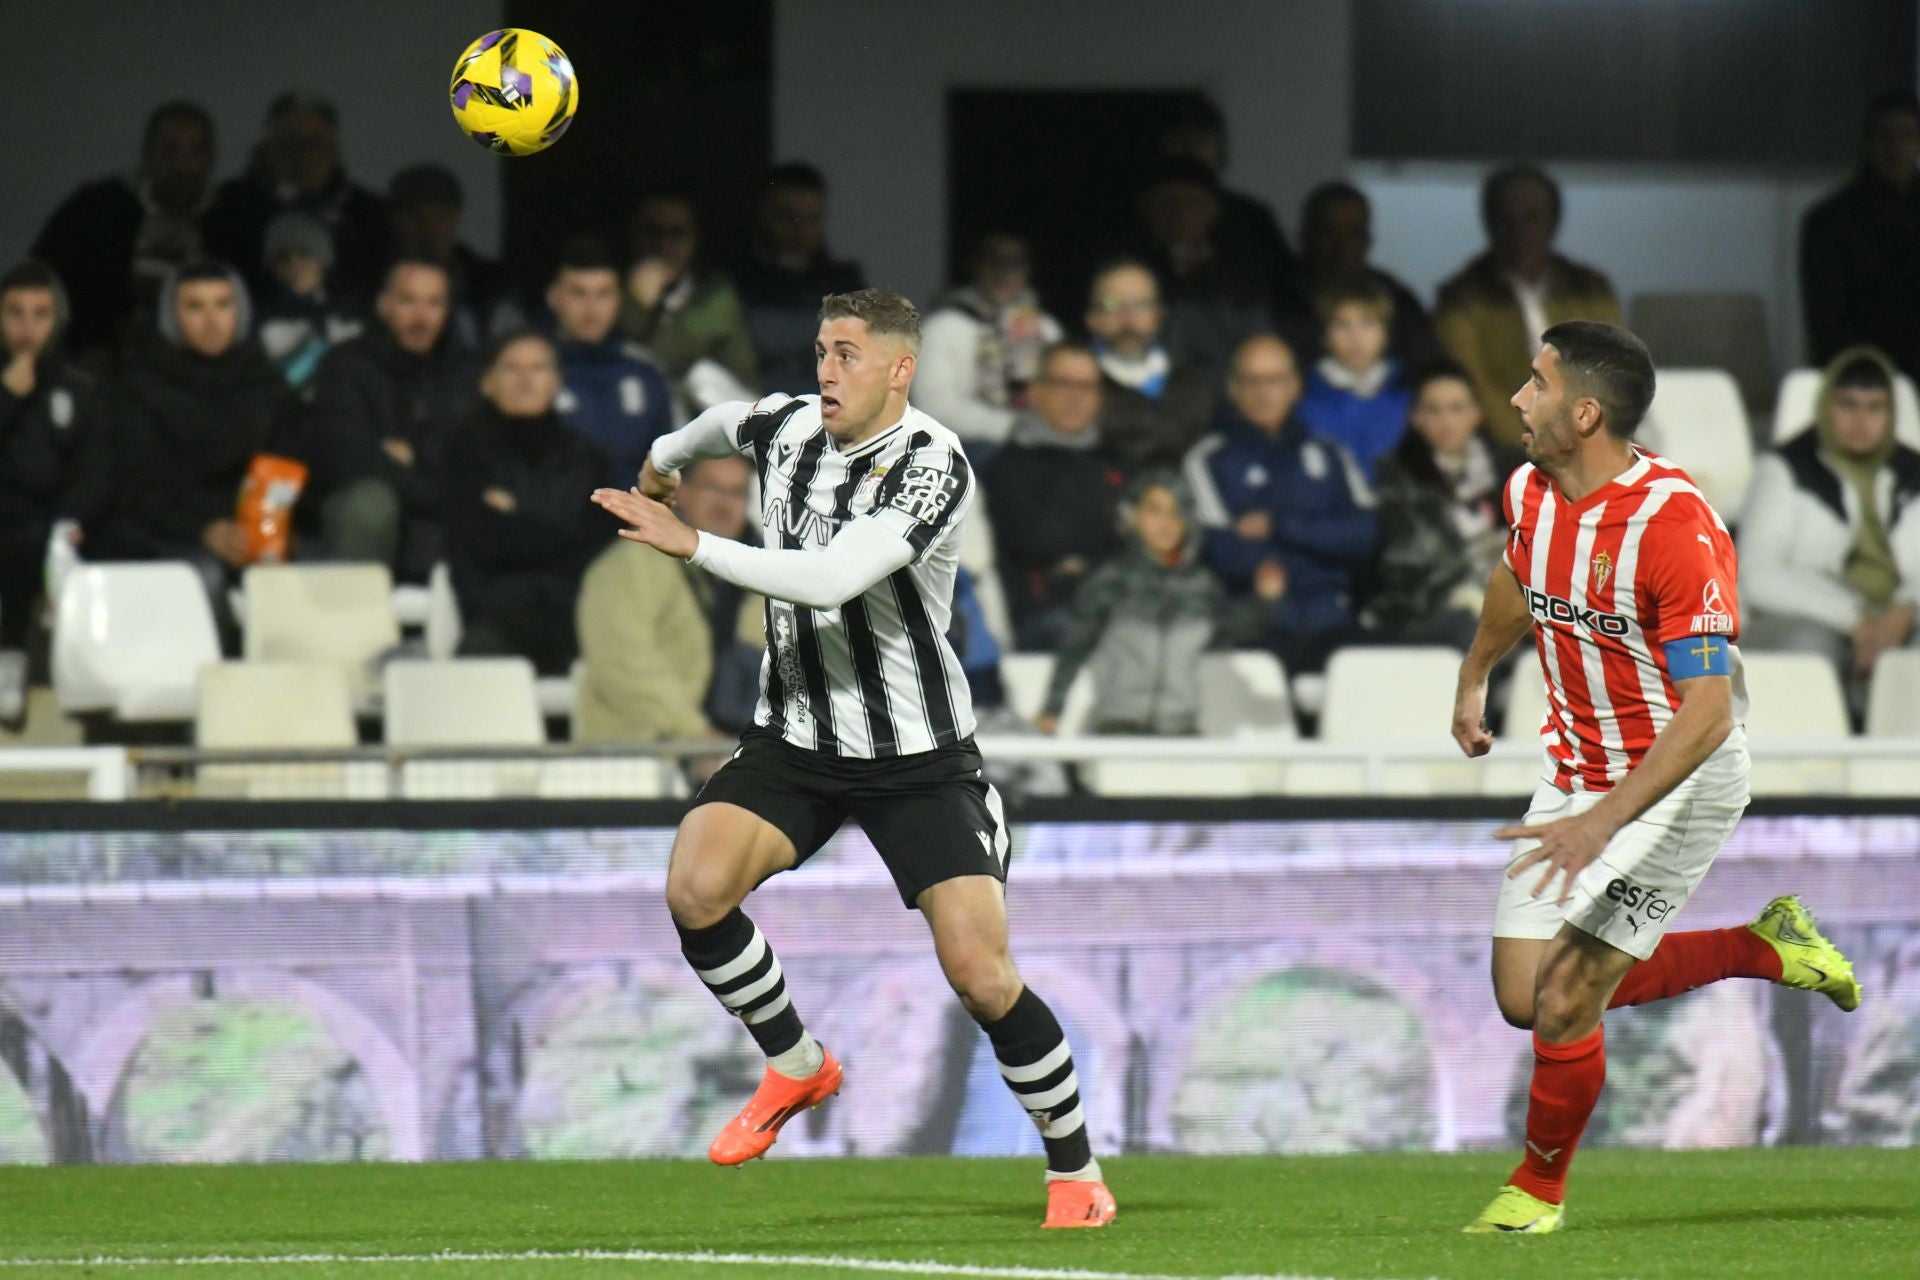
[{"x": 514, "y": 92}]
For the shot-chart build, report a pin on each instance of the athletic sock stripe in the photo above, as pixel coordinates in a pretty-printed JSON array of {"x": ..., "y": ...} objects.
[
  {"x": 748, "y": 995},
  {"x": 1050, "y": 1081},
  {"x": 727, "y": 988},
  {"x": 737, "y": 966},
  {"x": 1032, "y": 1072},
  {"x": 1051, "y": 1098},
  {"x": 756, "y": 1016},
  {"x": 1064, "y": 1126}
]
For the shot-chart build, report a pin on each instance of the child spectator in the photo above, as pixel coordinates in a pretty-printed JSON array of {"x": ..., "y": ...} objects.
[
  {"x": 1354, "y": 393},
  {"x": 299, "y": 320}
]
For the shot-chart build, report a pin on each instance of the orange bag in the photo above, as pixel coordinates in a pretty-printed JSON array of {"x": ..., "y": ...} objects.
[{"x": 265, "y": 510}]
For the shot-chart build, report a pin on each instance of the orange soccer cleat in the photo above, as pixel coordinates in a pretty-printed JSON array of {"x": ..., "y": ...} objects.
[
  {"x": 778, "y": 1100},
  {"x": 1079, "y": 1204}
]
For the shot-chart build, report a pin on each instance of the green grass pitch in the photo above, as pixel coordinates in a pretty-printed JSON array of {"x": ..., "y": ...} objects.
[{"x": 1789, "y": 1214}]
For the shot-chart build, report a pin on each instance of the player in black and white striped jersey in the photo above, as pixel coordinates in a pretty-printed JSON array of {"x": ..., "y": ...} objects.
[{"x": 863, "y": 714}]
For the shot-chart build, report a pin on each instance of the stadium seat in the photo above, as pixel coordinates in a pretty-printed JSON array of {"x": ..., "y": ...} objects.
[
  {"x": 1795, "y": 696},
  {"x": 443, "y": 613},
  {"x": 1025, "y": 677},
  {"x": 1523, "y": 713},
  {"x": 1243, "y": 696},
  {"x": 612, "y": 777},
  {"x": 981, "y": 561},
  {"x": 130, "y": 639},
  {"x": 1893, "y": 700},
  {"x": 462, "y": 702},
  {"x": 1389, "y": 696},
  {"x": 1710, "y": 331},
  {"x": 280, "y": 706},
  {"x": 1793, "y": 412},
  {"x": 338, "y": 613},
  {"x": 1697, "y": 421}
]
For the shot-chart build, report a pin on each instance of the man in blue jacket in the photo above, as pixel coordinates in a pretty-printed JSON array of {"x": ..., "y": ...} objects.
[
  {"x": 614, "y": 394},
  {"x": 1287, "y": 515}
]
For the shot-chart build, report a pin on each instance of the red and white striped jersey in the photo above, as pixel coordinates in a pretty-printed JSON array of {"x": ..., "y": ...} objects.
[{"x": 1630, "y": 589}]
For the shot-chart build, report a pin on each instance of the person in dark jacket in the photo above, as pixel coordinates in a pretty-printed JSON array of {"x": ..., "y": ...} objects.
[
  {"x": 55, "y": 469},
  {"x": 381, "y": 404},
  {"x": 1860, "y": 247},
  {"x": 185, "y": 420},
  {"x": 113, "y": 241},
  {"x": 681, "y": 308},
  {"x": 1441, "y": 530},
  {"x": 520, "y": 531},
  {"x": 1247, "y": 232},
  {"x": 297, "y": 165},
  {"x": 1054, "y": 498},
  {"x": 425, "y": 203},
  {"x": 1154, "y": 408},
  {"x": 613, "y": 393},
  {"x": 784, "y": 273},
  {"x": 1288, "y": 517},
  {"x": 301, "y": 317},
  {"x": 1214, "y": 299}
]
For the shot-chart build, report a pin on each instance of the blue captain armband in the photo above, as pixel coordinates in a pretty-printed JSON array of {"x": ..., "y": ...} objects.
[{"x": 1691, "y": 656}]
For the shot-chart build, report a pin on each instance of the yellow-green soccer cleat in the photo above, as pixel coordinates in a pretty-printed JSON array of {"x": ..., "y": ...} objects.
[
  {"x": 1517, "y": 1210},
  {"x": 1808, "y": 962}
]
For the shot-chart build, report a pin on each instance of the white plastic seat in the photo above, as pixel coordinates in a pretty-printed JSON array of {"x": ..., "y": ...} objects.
[
  {"x": 1795, "y": 696},
  {"x": 462, "y": 702},
  {"x": 443, "y": 613},
  {"x": 1893, "y": 700},
  {"x": 611, "y": 777},
  {"x": 1800, "y": 391},
  {"x": 1525, "y": 712},
  {"x": 338, "y": 613},
  {"x": 1697, "y": 421},
  {"x": 283, "y": 706},
  {"x": 1025, "y": 677},
  {"x": 1390, "y": 696},
  {"x": 1243, "y": 695},
  {"x": 131, "y": 639}
]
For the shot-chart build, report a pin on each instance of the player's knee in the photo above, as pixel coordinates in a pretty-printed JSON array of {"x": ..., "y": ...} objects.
[
  {"x": 987, "y": 986},
  {"x": 1558, "y": 1011},
  {"x": 1516, "y": 1008},
  {"x": 699, "y": 895}
]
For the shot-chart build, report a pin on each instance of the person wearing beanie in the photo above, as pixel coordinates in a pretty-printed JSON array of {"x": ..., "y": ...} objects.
[
  {"x": 184, "y": 421},
  {"x": 301, "y": 317}
]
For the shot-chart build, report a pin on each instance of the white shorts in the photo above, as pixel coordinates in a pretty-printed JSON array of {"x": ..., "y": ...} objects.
[{"x": 1629, "y": 895}]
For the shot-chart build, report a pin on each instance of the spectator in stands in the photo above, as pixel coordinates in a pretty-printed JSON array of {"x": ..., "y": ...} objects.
[
  {"x": 520, "y": 531},
  {"x": 185, "y": 420},
  {"x": 1213, "y": 300},
  {"x": 55, "y": 468},
  {"x": 1491, "y": 314},
  {"x": 980, "y": 346},
  {"x": 1354, "y": 393},
  {"x": 297, "y": 165},
  {"x": 1860, "y": 247},
  {"x": 1336, "y": 238},
  {"x": 1054, "y": 497},
  {"x": 113, "y": 241},
  {"x": 1152, "y": 408},
  {"x": 425, "y": 203},
  {"x": 682, "y": 310},
  {"x": 1830, "y": 541},
  {"x": 784, "y": 273},
  {"x": 1441, "y": 526},
  {"x": 614, "y": 394},
  {"x": 1287, "y": 515},
  {"x": 1143, "y": 619},
  {"x": 382, "y": 403},
  {"x": 1246, "y": 232},
  {"x": 301, "y": 319},
  {"x": 672, "y": 651}
]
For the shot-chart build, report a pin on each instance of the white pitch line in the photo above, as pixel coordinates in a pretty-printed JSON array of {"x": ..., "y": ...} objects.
[{"x": 883, "y": 1266}]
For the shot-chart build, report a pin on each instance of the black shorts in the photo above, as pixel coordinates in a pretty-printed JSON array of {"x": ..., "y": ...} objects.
[{"x": 931, "y": 815}]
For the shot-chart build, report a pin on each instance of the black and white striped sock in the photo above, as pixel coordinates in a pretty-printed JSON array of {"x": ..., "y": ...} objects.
[
  {"x": 736, "y": 963},
  {"x": 1037, "y": 1065}
]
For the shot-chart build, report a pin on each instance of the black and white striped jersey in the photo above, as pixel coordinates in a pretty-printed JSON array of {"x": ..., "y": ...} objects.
[{"x": 857, "y": 661}]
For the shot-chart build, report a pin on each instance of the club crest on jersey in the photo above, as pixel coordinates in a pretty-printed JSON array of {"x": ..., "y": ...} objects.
[
  {"x": 1553, "y": 609},
  {"x": 1602, "y": 570},
  {"x": 869, "y": 487}
]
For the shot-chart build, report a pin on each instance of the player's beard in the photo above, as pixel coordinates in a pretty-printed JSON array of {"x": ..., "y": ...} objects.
[{"x": 1547, "y": 447}]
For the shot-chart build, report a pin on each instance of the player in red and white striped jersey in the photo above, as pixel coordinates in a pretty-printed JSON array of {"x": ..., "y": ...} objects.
[{"x": 1625, "y": 575}]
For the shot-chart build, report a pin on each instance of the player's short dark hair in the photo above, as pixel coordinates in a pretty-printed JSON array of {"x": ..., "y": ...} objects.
[
  {"x": 1863, "y": 373},
  {"x": 1608, "y": 363},
  {"x": 507, "y": 338},
  {"x": 420, "y": 185},
  {"x": 883, "y": 311},
  {"x": 1361, "y": 288},
  {"x": 1495, "y": 188},
  {"x": 1891, "y": 102},
  {"x": 169, "y": 112},
  {"x": 795, "y": 175},
  {"x": 587, "y": 253}
]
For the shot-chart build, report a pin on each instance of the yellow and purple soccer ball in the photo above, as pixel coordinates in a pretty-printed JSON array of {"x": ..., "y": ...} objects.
[{"x": 514, "y": 92}]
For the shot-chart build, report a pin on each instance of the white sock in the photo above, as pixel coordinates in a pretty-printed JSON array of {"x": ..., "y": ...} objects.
[
  {"x": 800, "y": 1061},
  {"x": 1089, "y": 1172}
]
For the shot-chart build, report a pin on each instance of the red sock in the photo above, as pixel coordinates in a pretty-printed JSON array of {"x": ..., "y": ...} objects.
[
  {"x": 1684, "y": 961},
  {"x": 1566, "y": 1084}
]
